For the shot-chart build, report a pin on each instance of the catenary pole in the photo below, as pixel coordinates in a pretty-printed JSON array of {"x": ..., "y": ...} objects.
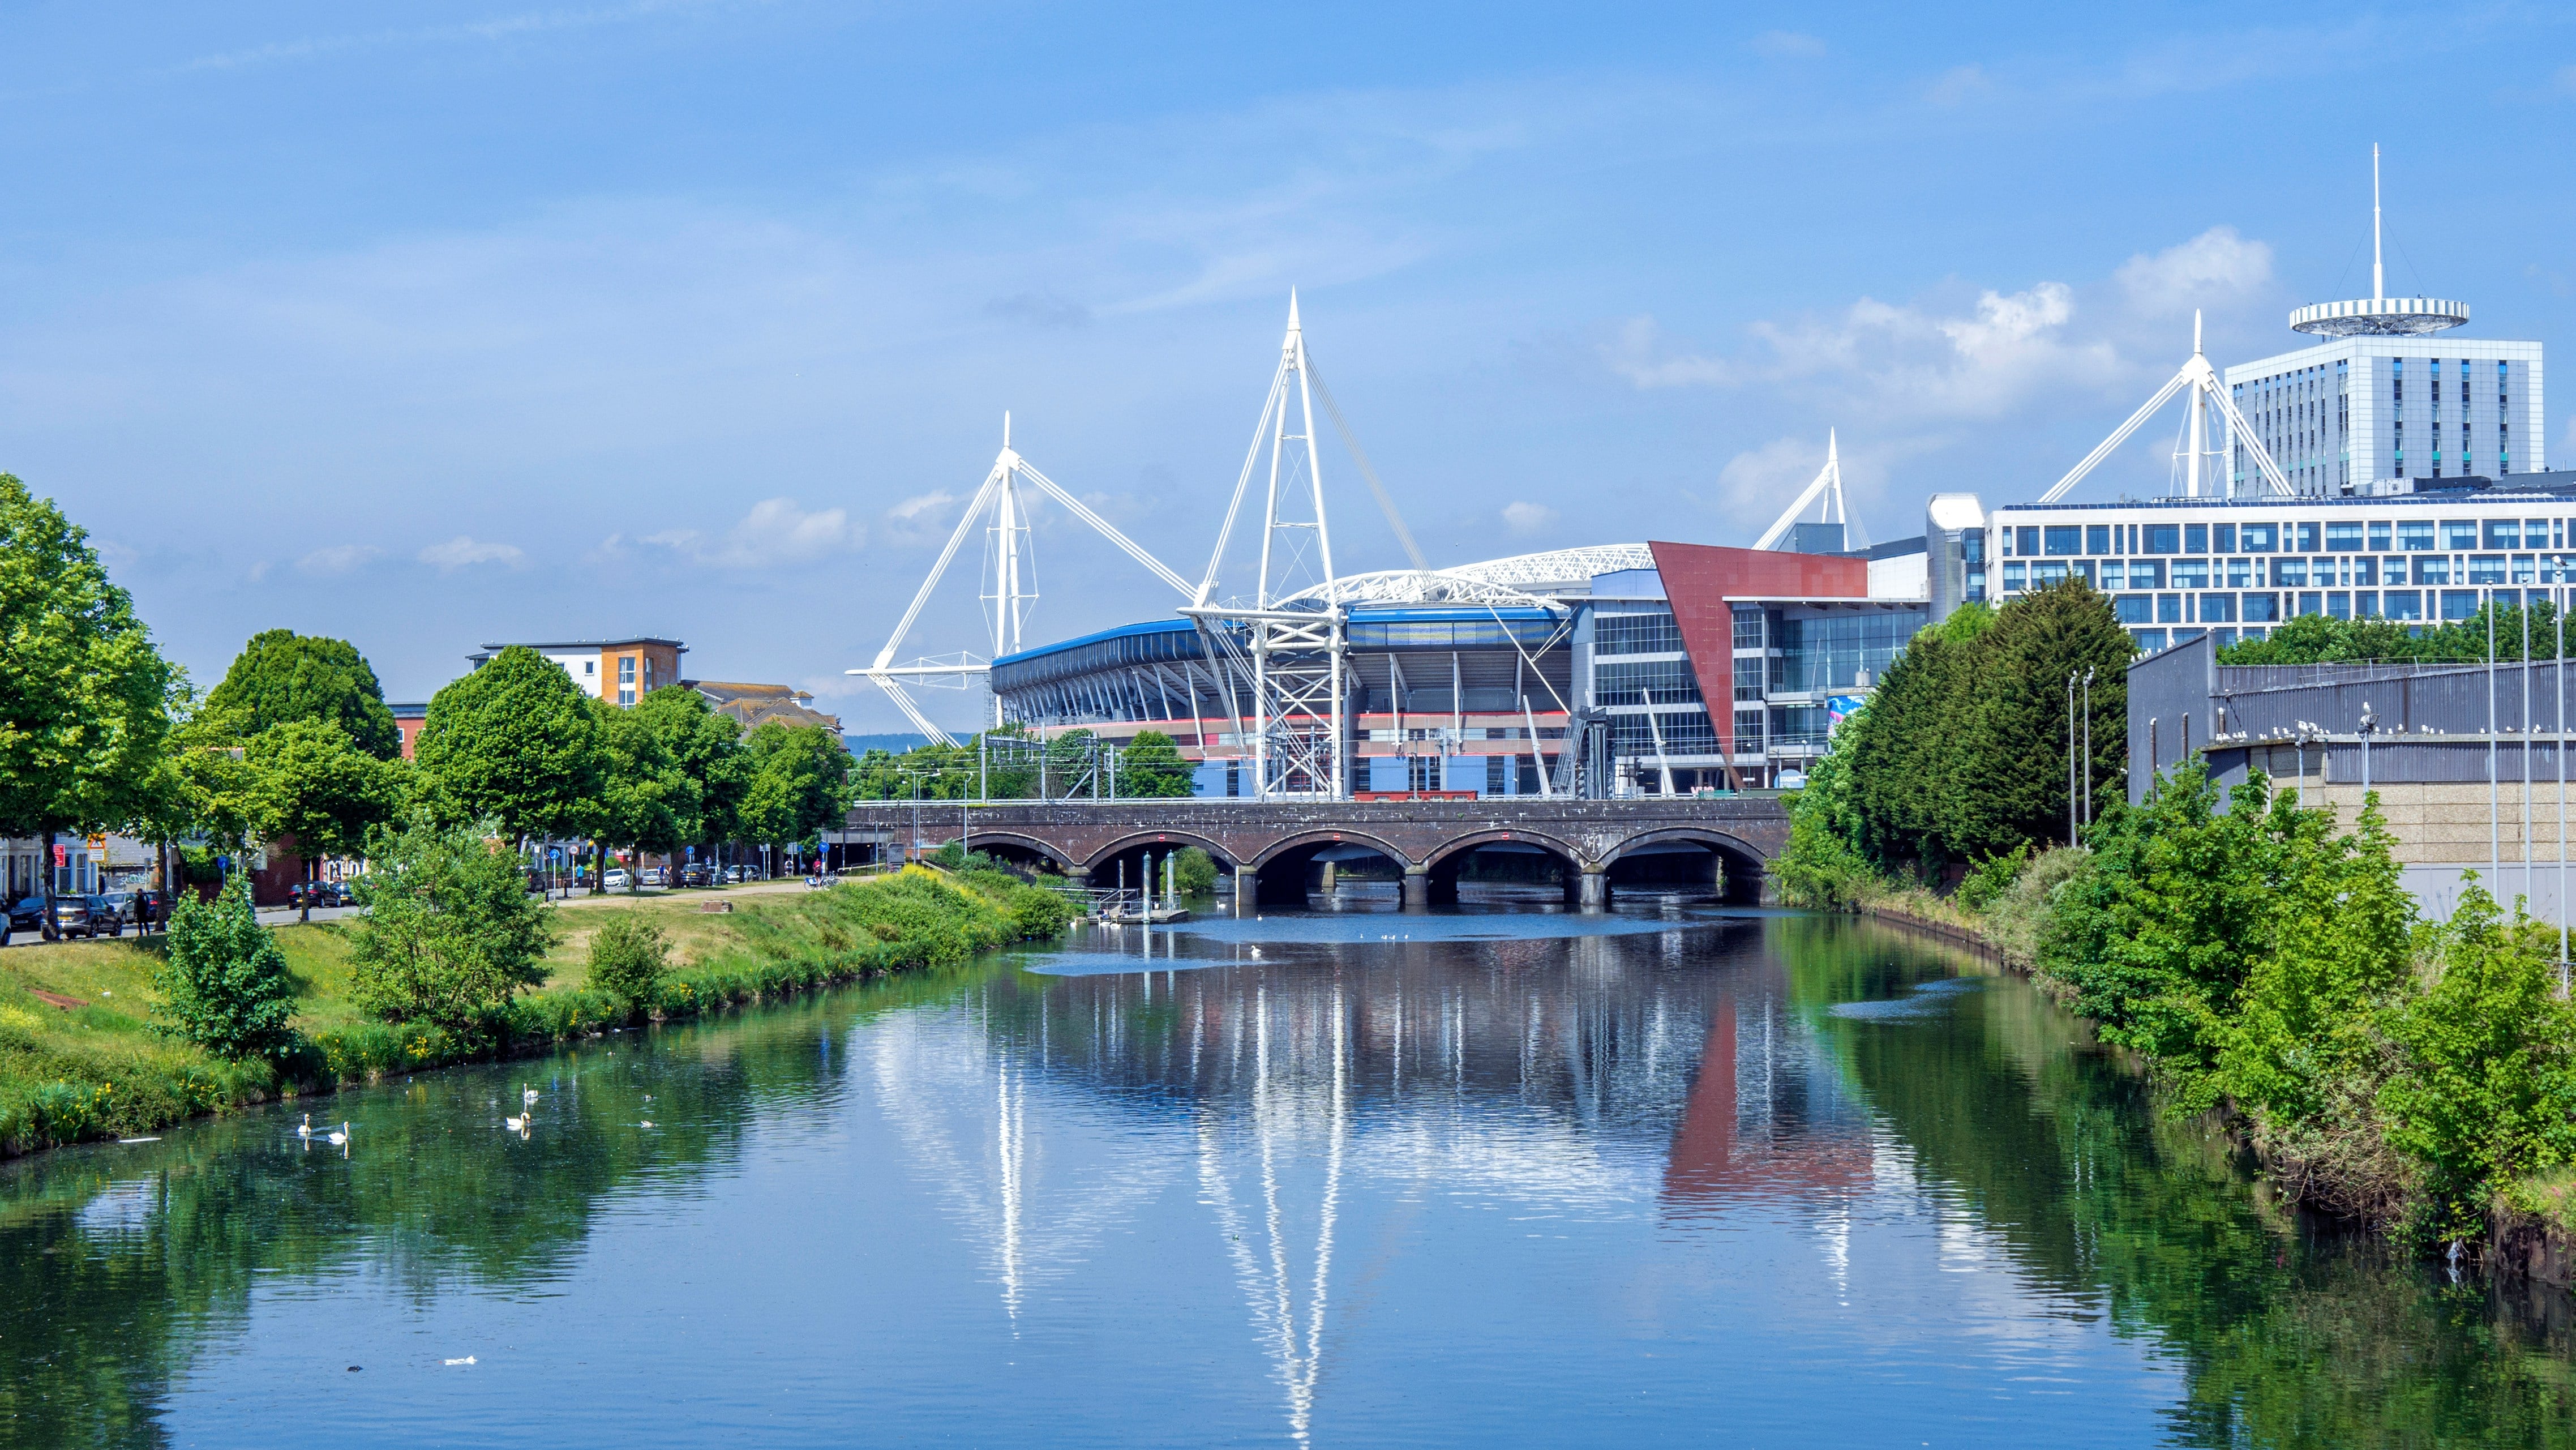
[
  {"x": 2088, "y": 747},
  {"x": 2070, "y": 758},
  {"x": 2525, "y": 723},
  {"x": 2561, "y": 672},
  {"x": 2495, "y": 787}
]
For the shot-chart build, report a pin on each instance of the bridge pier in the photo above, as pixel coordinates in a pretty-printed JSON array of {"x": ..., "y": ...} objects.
[
  {"x": 1596, "y": 888},
  {"x": 1246, "y": 891},
  {"x": 1417, "y": 886}
]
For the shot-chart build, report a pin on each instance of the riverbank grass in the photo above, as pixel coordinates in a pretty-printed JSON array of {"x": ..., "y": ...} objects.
[{"x": 80, "y": 1057}]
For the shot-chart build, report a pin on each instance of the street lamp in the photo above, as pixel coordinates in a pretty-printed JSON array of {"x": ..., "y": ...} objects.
[
  {"x": 2369, "y": 727},
  {"x": 2088, "y": 747},
  {"x": 2071, "y": 836}
]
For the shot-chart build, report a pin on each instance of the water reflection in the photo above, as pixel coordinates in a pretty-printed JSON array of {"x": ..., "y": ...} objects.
[{"x": 1790, "y": 1177}]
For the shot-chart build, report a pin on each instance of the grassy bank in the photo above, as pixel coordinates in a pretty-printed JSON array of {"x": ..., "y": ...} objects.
[{"x": 80, "y": 1059}]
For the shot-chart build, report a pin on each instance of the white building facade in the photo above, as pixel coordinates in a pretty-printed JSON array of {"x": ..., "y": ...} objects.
[{"x": 2356, "y": 412}]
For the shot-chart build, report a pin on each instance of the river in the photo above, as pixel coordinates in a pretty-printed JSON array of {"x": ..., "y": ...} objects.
[{"x": 1496, "y": 1175}]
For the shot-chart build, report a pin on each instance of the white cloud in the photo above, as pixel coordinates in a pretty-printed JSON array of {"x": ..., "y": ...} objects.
[
  {"x": 2216, "y": 266},
  {"x": 465, "y": 550},
  {"x": 337, "y": 559},
  {"x": 776, "y": 531},
  {"x": 1759, "y": 482},
  {"x": 1900, "y": 361},
  {"x": 921, "y": 503},
  {"x": 1528, "y": 518},
  {"x": 1787, "y": 45}
]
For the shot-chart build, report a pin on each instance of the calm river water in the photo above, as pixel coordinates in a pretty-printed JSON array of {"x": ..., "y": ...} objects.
[{"x": 1478, "y": 1177}]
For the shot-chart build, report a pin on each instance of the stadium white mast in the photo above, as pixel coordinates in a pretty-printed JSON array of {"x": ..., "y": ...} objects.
[
  {"x": 1296, "y": 652},
  {"x": 1828, "y": 483},
  {"x": 2207, "y": 392},
  {"x": 1014, "y": 589}
]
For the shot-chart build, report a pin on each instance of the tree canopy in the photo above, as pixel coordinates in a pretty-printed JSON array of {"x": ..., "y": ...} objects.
[
  {"x": 85, "y": 697},
  {"x": 516, "y": 742},
  {"x": 281, "y": 676},
  {"x": 799, "y": 783},
  {"x": 1151, "y": 767},
  {"x": 310, "y": 782}
]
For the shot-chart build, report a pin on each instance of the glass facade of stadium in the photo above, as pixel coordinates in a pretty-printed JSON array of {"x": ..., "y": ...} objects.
[{"x": 1731, "y": 686}]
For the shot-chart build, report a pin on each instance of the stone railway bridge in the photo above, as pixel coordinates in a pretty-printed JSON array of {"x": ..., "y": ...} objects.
[{"x": 1271, "y": 848}]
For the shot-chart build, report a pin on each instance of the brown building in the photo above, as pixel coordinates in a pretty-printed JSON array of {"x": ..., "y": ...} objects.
[{"x": 757, "y": 705}]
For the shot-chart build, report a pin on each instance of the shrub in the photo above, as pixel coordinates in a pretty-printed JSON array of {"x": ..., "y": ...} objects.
[
  {"x": 450, "y": 930},
  {"x": 628, "y": 959},
  {"x": 1196, "y": 871},
  {"x": 1989, "y": 879},
  {"x": 224, "y": 984}
]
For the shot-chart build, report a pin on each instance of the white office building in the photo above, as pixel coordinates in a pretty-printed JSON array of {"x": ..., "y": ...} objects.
[{"x": 2358, "y": 413}]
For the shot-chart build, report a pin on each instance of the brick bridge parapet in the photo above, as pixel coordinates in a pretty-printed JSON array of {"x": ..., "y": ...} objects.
[{"x": 1250, "y": 838}]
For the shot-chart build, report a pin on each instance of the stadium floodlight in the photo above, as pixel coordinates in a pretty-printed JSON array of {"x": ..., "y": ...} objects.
[
  {"x": 1012, "y": 580},
  {"x": 2207, "y": 394}
]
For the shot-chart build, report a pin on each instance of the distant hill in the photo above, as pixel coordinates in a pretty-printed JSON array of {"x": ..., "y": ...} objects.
[{"x": 891, "y": 744}]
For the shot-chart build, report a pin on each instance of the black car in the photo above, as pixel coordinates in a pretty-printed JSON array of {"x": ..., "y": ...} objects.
[
  {"x": 104, "y": 913},
  {"x": 71, "y": 912}
]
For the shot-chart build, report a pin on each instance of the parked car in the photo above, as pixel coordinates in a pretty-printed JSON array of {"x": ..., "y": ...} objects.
[
  {"x": 698, "y": 876},
  {"x": 656, "y": 876},
  {"x": 617, "y": 880},
  {"x": 114, "y": 910},
  {"x": 71, "y": 916}
]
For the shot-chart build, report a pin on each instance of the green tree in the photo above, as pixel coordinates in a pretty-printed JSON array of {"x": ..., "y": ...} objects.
[
  {"x": 224, "y": 984},
  {"x": 706, "y": 746},
  {"x": 85, "y": 698},
  {"x": 2487, "y": 1095},
  {"x": 450, "y": 930},
  {"x": 515, "y": 742},
  {"x": 281, "y": 676},
  {"x": 648, "y": 802},
  {"x": 313, "y": 786},
  {"x": 2007, "y": 770},
  {"x": 1151, "y": 767},
  {"x": 1900, "y": 806},
  {"x": 799, "y": 783}
]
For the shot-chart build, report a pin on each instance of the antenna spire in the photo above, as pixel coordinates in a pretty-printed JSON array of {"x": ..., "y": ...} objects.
[
  {"x": 2195, "y": 332},
  {"x": 1006, "y": 428},
  {"x": 2378, "y": 281},
  {"x": 1292, "y": 309}
]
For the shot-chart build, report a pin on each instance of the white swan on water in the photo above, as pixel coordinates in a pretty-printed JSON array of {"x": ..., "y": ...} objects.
[
  {"x": 338, "y": 1135},
  {"x": 527, "y": 1095},
  {"x": 518, "y": 1124},
  {"x": 305, "y": 1129}
]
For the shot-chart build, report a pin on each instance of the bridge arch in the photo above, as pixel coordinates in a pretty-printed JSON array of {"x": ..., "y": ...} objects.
[
  {"x": 1279, "y": 869},
  {"x": 1541, "y": 859},
  {"x": 1022, "y": 847},
  {"x": 1726, "y": 862},
  {"x": 1124, "y": 859}
]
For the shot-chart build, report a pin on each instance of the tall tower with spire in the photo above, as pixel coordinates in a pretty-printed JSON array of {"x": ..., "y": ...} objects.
[{"x": 2386, "y": 404}]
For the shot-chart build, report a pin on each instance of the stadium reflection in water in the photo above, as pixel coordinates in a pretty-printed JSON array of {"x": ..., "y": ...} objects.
[{"x": 1480, "y": 1177}]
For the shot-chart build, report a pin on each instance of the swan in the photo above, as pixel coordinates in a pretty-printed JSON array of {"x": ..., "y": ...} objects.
[
  {"x": 305, "y": 1129},
  {"x": 518, "y": 1124},
  {"x": 648, "y": 1122},
  {"x": 527, "y": 1094},
  {"x": 338, "y": 1135}
]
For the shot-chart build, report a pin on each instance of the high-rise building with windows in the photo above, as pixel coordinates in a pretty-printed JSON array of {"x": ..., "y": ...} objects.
[{"x": 2385, "y": 402}]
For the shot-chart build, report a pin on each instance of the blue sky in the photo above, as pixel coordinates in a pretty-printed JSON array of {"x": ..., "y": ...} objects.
[{"x": 429, "y": 325}]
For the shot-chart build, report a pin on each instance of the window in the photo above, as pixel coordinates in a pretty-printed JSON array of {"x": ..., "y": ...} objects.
[
  {"x": 2223, "y": 539},
  {"x": 2262, "y": 608},
  {"x": 2025, "y": 541},
  {"x": 2257, "y": 538},
  {"x": 2415, "y": 536},
  {"x": 2195, "y": 538},
  {"x": 590, "y": 667},
  {"x": 2240, "y": 572},
  {"x": 2148, "y": 641},
  {"x": 2215, "y": 607},
  {"x": 1662, "y": 681},
  {"x": 2164, "y": 538},
  {"x": 2401, "y": 604},
  {"x": 2191, "y": 573},
  {"x": 2084, "y": 570},
  {"x": 2433, "y": 569},
  {"x": 2522, "y": 569},
  {"x": 2168, "y": 609},
  {"x": 2064, "y": 539},
  {"x": 2459, "y": 534},
  {"x": 2504, "y": 534},
  {"x": 2289, "y": 573},
  {"x": 2365, "y": 571},
  {"x": 2135, "y": 608},
  {"x": 2343, "y": 537},
  {"x": 1657, "y": 633},
  {"x": 2012, "y": 577},
  {"x": 2051, "y": 572},
  {"x": 2115, "y": 575},
  {"x": 2308, "y": 542},
  {"x": 2146, "y": 574},
  {"x": 2459, "y": 603},
  {"x": 2097, "y": 539},
  {"x": 2379, "y": 536}
]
